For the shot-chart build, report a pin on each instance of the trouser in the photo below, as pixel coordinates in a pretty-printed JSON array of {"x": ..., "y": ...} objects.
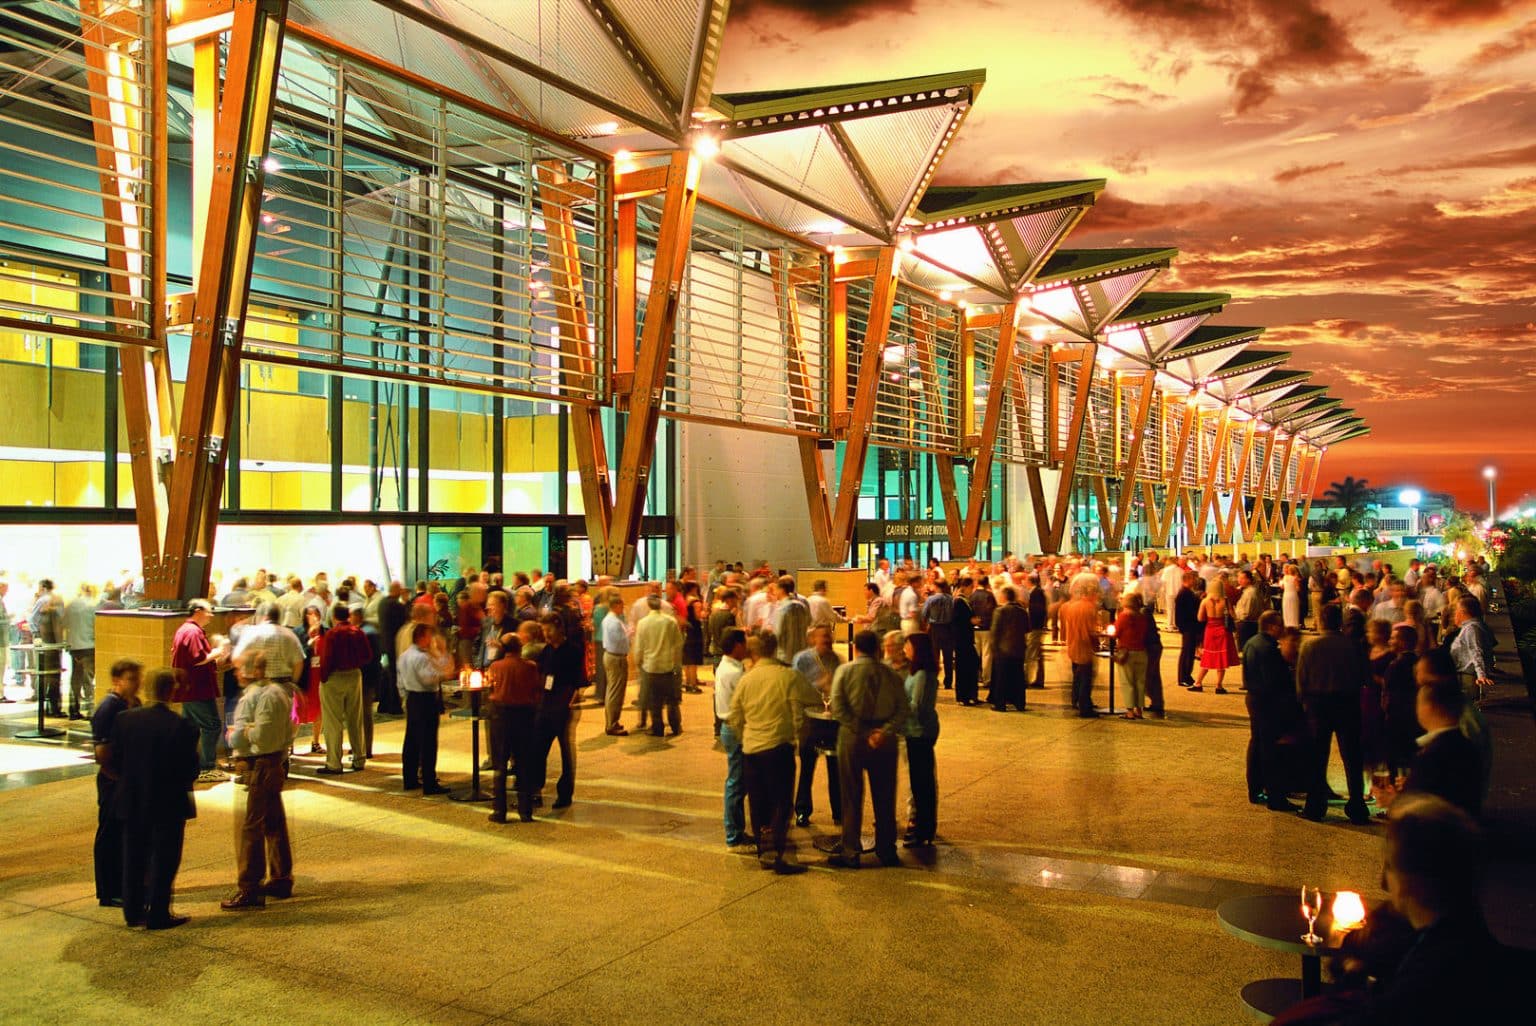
[
  {"x": 967, "y": 669},
  {"x": 643, "y": 699},
  {"x": 1190, "y": 644},
  {"x": 821, "y": 737},
  {"x": 735, "y": 787},
  {"x": 665, "y": 693},
  {"x": 552, "y": 727},
  {"x": 599, "y": 672},
  {"x": 514, "y": 740},
  {"x": 1264, "y": 768},
  {"x": 1329, "y": 716},
  {"x": 264, "y": 854},
  {"x": 1007, "y": 681},
  {"x": 370, "y": 696},
  {"x": 82, "y": 680},
  {"x": 46, "y": 681},
  {"x": 1155, "y": 680},
  {"x": 1034, "y": 656},
  {"x": 770, "y": 777},
  {"x": 108, "y": 852},
  {"x": 151, "y": 857},
  {"x": 389, "y": 692},
  {"x": 984, "y": 653},
  {"x": 418, "y": 753},
  {"x": 341, "y": 706},
  {"x": 855, "y": 759},
  {"x": 943, "y": 637},
  {"x": 922, "y": 776},
  {"x": 1245, "y": 630},
  {"x": 1082, "y": 687},
  {"x": 616, "y": 674},
  {"x": 204, "y": 715},
  {"x": 1134, "y": 672}
]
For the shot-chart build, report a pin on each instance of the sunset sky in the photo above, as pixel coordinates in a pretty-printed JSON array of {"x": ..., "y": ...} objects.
[{"x": 1361, "y": 176}]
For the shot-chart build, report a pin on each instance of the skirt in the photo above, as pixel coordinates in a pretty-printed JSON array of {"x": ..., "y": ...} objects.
[{"x": 1218, "y": 651}]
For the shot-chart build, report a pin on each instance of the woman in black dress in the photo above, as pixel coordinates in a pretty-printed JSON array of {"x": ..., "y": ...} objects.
[{"x": 693, "y": 637}]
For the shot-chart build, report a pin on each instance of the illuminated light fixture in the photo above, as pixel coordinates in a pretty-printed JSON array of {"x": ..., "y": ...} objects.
[
  {"x": 963, "y": 305},
  {"x": 1237, "y": 414},
  {"x": 606, "y": 128},
  {"x": 268, "y": 219},
  {"x": 839, "y": 255},
  {"x": 894, "y": 353},
  {"x": 623, "y": 160},
  {"x": 1348, "y": 910},
  {"x": 270, "y": 165},
  {"x": 1489, "y": 473},
  {"x": 905, "y": 242},
  {"x": 945, "y": 295},
  {"x": 1410, "y": 497},
  {"x": 706, "y": 146},
  {"x": 1039, "y": 333}
]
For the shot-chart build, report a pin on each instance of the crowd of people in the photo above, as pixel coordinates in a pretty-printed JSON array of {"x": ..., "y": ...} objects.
[{"x": 1386, "y": 664}]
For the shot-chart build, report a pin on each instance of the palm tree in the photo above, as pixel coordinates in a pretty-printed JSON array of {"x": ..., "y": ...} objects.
[{"x": 1350, "y": 494}]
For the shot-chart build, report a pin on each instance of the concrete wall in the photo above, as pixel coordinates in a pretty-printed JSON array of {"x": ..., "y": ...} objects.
[
  {"x": 740, "y": 496},
  {"x": 1023, "y": 535}
]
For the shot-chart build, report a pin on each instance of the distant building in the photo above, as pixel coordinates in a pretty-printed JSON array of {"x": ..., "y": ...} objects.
[{"x": 1389, "y": 518}]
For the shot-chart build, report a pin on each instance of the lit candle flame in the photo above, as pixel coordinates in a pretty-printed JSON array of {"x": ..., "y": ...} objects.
[{"x": 1348, "y": 910}]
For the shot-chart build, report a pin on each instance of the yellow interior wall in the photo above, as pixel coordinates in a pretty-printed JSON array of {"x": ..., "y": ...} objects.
[{"x": 40, "y": 287}]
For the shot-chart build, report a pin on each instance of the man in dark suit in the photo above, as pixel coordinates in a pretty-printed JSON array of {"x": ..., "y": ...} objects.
[
  {"x": 963, "y": 634},
  {"x": 1447, "y": 764},
  {"x": 1010, "y": 644},
  {"x": 1270, "y": 690},
  {"x": 154, "y": 755},
  {"x": 1186, "y": 620}
]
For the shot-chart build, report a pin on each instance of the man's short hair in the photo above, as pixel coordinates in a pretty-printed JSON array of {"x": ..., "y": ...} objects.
[
  {"x": 123, "y": 667},
  {"x": 867, "y": 643},
  {"x": 1443, "y": 692},
  {"x": 653, "y": 601},
  {"x": 767, "y": 644},
  {"x": 1331, "y": 617},
  {"x": 199, "y": 606},
  {"x": 731, "y": 638},
  {"x": 255, "y": 664},
  {"x": 511, "y": 644},
  {"x": 1009, "y": 595},
  {"x": 421, "y": 630},
  {"x": 269, "y": 612},
  {"x": 1471, "y": 606},
  {"x": 1269, "y": 620},
  {"x": 787, "y": 583},
  {"x": 159, "y": 684},
  {"x": 1438, "y": 848},
  {"x": 819, "y": 586},
  {"x": 339, "y": 612}
]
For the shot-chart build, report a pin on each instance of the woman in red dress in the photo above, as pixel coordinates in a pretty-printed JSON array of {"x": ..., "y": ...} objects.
[
  {"x": 1217, "y": 651},
  {"x": 308, "y": 701}
]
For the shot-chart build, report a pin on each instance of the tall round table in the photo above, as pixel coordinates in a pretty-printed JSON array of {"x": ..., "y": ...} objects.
[
  {"x": 1274, "y": 921},
  {"x": 473, "y": 792}
]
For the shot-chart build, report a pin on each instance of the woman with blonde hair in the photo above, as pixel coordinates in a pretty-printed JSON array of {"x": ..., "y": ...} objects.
[{"x": 1217, "y": 651}]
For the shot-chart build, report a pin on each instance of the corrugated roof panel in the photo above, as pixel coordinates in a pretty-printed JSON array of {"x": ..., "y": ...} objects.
[
  {"x": 1163, "y": 337},
  {"x": 1032, "y": 238},
  {"x": 1105, "y": 298},
  {"x": 962, "y": 251},
  {"x": 806, "y": 161},
  {"x": 897, "y": 148},
  {"x": 667, "y": 31}
]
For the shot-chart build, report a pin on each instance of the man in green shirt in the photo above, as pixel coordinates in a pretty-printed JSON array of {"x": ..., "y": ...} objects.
[{"x": 870, "y": 703}]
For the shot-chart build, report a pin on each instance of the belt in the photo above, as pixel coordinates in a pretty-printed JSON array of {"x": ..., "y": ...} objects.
[
  {"x": 281, "y": 680},
  {"x": 264, "y": 755}
]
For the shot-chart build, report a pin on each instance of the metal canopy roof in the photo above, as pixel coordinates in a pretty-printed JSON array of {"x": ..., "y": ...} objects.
[
  {"x": 1155, "y": 322},
  {"x": 578, "y": 67},
  {"x": 995, "y": 236},
  {"x": 1308, "y": 412},
  {"x": 1296, "y": 396},
  {"x": 860, "y": 154},
  {"x": 1263, "y": 393},
  {"x": 1083, "y": 290},
  {"x": 1235, "y": 376},
  {"x": 1205, "y": 349}
]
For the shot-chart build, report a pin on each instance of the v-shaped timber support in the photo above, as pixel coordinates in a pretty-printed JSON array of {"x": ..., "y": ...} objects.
[
  {"x": 1145, "y": 384},
  {"x": 1076, "y": 363},
  {"x": 1174, "y": 493},
  {"x": 1261, "y": 525},
  {"x": 178, "y": 486},
  {"x": 1220, "y": 453},
  {"x": 613, "y": 505},
  {"x": 833, "y": 521},
  {"x": 964, "y": 525},
  {"x": 1301, "y": 508}
]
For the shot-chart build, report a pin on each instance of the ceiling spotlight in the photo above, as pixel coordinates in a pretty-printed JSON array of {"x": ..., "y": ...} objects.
[
  {"x": 706, "y": 146},
  {"x": 945, "y": 295},
  {"x": 905, "y": 242}
]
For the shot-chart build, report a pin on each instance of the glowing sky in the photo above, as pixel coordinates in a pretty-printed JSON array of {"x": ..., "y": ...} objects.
[{"x": 1361, "y": 176}]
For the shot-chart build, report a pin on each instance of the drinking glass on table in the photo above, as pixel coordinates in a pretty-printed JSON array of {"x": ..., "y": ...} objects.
[{"x": 1311, "y": 908}]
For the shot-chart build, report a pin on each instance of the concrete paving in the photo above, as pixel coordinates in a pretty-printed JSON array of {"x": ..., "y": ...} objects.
[{"x": 1075, "y": 880}]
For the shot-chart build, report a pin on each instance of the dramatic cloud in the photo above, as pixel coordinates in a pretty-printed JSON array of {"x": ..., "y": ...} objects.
[
  {"x": 829, "y": 13},
  {"x": 1454, "y": 12},
  {"x": 1517, "y": 44},
  {"x": 1296, "y": 171}
]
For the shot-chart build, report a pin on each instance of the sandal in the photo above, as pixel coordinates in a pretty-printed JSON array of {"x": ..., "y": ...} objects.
[{"x": 317, "y": 749}]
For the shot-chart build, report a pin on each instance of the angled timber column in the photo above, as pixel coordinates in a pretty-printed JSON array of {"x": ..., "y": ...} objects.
[
  {"x": 965, "y": 525},
  {"x": 1208, "y": 491},
  {"x": 615, "y": 554},
  {"x": 1173, "y": 482},
  {"x": 832, "y": 522},
  {"x": 1299, "y": 530},
  {"x": 1051, "y": 524},
  {"x": 578, "y": 361},
  {"x": 1239, "y": 484},
  {"x": 133, "y": 217},
  {"x": 1263, "y": 526},
  {"x": 1139, "y": 417},
  {"x": 802, "y": 404},
  {"x": 241, "y": 135},
  {"x": 1246, "y": 521}
]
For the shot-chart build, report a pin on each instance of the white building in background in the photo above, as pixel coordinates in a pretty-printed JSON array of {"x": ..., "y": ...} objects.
[{"x": 1397, "y": 513}]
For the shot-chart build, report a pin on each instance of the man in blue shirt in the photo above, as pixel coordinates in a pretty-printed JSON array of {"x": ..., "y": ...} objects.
[{"x": 938, "y": 611}]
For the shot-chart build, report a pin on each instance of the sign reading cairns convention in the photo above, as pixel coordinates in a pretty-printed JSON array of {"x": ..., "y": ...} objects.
[{"x": 906, "y": 531}]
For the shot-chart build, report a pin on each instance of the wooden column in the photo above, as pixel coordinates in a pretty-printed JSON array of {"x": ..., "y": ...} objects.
[
  {"x": 1173, "y": 483},
  {"x": 1139, "y": 417},
  {"x": 1208, "y": 494},
  {"x": 965, "y": 525},
  {"x": 1239, "y": 483},
  {"x": 1051, "y": 524}
]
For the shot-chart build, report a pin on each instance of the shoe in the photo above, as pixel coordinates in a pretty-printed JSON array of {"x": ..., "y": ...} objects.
[
  {"x": 1089, "y": 714},
  {"x": 434, "y": 789},
  {"x": 317, "y": 749},
  {"x": 1196, "y": 687},
  {"x": 1157, "y": 714},
  {"x": 168, "y": 923},
  {"x": 841, "y": 861},
  {"x": 357, "y": 767},
  {"x": 327, "y": 771},
  {"x": 1221, "y": 690},
  {"x": 889, "y": 859},
  {"x": 1257, "y": 799},
  {"x": 238, "y": 902},
  {"x": 1282, "y": 806},
  {"x": 279, "y": 890},
  {"x": 802, "y": 820},
  {"x": 1359, "y": 816},
  {"x": 525, "y": 817},
  {"x": 410, "y": 786},
  {"x": 658, "y": 733},
  {"x": 212, "y": 776},
  {"x": 561, "y": 803},
  {"x": 111, "y": 903},
  {"x": 785, "y": 868},
  {"x": 487, "y": 764},
  {"x": 1316, "y": 817},
  {"x": 616, "y": 732},
  {"x": 999, "y": 708},
  {"x": 917, "y": 842},
  {"x": 496, "y": 817},
  {"x": 133, "y": 921}
]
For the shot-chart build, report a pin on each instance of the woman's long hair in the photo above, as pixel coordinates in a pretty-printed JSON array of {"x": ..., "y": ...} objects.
[{"x": 922, "y": 654}]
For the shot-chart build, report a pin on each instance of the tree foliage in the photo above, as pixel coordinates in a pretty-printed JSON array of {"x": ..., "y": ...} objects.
[{"x": 1460, "y": 532}]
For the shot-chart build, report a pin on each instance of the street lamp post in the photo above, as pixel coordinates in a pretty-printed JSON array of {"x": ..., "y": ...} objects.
[
  {"x": 1411, "y": 497},
  {"x": 1490, "y": 474}
]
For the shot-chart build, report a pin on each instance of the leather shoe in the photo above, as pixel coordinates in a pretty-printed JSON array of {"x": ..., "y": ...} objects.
[
  {"x": 561, "y": 803},
  {"x": 802, "y": 820},
  {"x": 326, "y": 771},
  {"x": 168, "y": 923},
  {"x": 784, "y": 868},
  {"x": 889, "y": 859},
  {"x": 1316, "y": 817},
  {"x": 841, "y": 861},
  {"x": 238, "y": 902},
  {"x": 1283, "y": 806},
  {"x": 278, "y": 889},
  {"x": 617, "y": 732},
  {"x": 496, "y": 817},
  {"x": 434, "y": 789},
  {"x": 111, "y": 903}
]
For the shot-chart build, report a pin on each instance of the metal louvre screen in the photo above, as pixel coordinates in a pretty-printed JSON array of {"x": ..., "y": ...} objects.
[
  {"x": 408, "y": 235},
  {"x": 918, "y": 403},
  {"x": 75, "y": 169},
  {"x": 752, "y": 324},
  {"x": 1150, "y": 466},
  {"x": 1202, "y": 449},
  {"x": 1096, "y": 455},
  {"x": 1021, "y": 431}
]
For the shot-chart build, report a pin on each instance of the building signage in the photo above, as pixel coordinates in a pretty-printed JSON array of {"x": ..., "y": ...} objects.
[{"x": 876, "y": 531}]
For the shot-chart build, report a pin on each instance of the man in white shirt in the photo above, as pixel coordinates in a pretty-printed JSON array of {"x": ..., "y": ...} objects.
[
  {"x": 615, "y": 640},
  {"x": 277, "y": 645},
  {"x": 882, "y": 577},
  {"x": 259, "y": 738},
  {"x": 822, "y": 613},
  {"x": 757, "y": 610},
  {"x": 733, "y": 645},
  {"x": 908, "y": 604},
  {"x": 658, "y": 654}
]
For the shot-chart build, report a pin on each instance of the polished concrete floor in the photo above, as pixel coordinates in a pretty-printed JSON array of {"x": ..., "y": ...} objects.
[{"x": 1075, "y": 881}]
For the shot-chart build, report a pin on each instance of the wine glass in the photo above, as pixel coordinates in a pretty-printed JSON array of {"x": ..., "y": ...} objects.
[{"x": 1311, "y": 908}]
